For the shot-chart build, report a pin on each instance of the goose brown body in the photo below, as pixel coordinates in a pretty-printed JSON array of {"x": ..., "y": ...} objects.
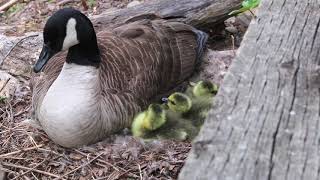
[{"x": 138, "y": 61}]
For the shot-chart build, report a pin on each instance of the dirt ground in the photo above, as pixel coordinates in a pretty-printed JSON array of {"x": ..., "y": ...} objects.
[
  {"x": 27, "y": 153},
  {"x": 31, "y": 15}
]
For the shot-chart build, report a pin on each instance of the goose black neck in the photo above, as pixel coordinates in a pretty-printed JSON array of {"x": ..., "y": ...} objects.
[{"x": 86, "y": 54}]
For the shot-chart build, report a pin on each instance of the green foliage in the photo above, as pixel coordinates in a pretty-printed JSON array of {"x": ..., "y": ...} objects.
[
  {"x": 91, "y": 3},
  {"x": 3, "y": 99},
  {"x": 246, "y": 5}
]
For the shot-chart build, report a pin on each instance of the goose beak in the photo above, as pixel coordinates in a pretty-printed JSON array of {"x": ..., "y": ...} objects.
[{"x": 45, "y": 55}]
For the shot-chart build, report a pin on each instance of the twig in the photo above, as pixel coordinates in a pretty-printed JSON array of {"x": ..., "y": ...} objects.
[
  {"x": 20, "y": 112},
  {"x": 4, "y": 58},
  {"x": 32, "y": 170},
  {"x": 102, "y": 161},
  {"x": 19, "y": 151},
  {"x": 61, "y": 3},
  {"x": 4, "y": 85},
  {"x": 113, "y": 166},
  {"x": 29, "y": 170},
  {"x": 117, "y": 168},
  {"x": 127, "y": 171},
  {"x": 1, "y": 51},
  {"x": 233, "y": 45},
  {"x": 254, "y": 16},
  {"x": 83, "y": 165},
  {"x": 140, "y": 172},
  {"x": 35, "y": 177},
  {"x": 7, "y": 170},
  {"x": 7, "y": 5},
  {"x": 84, "y": 4},
  {"x": 50, "y": 151}
]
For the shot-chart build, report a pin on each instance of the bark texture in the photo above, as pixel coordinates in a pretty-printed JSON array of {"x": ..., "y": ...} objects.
[
  {"x": 265, "y": 122},
  {"x": 199, "y": 13}
]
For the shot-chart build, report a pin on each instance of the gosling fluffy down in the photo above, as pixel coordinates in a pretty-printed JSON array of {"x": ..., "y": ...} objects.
[{"x": 159, "y": 123}]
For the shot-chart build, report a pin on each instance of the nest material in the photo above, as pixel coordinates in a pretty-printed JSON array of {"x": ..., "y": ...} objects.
[{"x": 27, "y": 153}]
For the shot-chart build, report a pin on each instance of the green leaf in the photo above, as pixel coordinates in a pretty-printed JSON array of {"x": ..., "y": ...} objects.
[
  {"x": 246, "y": 5},
  {"x": 250, "y": 3},
  {"x": 241, "y": 10}
]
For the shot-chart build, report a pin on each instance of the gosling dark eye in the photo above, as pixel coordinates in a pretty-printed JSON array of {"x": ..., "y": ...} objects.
[{"x": 214, "y": 92}]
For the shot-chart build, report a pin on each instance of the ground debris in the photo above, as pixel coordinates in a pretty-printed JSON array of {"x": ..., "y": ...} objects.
[{"x": 26, "y": 152}]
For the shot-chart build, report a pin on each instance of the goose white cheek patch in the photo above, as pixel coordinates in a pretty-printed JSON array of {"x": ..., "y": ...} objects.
[{"x": 71, "y": 35}]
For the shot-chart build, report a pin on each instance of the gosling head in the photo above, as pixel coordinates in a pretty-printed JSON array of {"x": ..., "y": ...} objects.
[
  {"x": 205, "y": 88},
  {"x": 179, "y": 102},
  {"x": 155, "y": 117},
  {"x": 69, "y": 29}
]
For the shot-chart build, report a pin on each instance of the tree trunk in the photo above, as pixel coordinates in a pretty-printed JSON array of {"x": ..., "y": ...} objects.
[{"x": 265, "y": 122}]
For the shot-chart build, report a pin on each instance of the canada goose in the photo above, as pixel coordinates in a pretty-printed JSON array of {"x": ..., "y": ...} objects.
[
  {"x": 160, "y": 123},
  {"x": 92, "y": 86}
]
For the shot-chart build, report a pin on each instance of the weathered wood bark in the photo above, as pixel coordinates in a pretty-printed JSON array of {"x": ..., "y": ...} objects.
[
  {"x": 199, "y": 13},
  {"x": 266, "y": 119}
]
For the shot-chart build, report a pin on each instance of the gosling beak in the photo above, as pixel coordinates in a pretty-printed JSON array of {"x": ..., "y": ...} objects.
[{"x": 45, "y": 55}]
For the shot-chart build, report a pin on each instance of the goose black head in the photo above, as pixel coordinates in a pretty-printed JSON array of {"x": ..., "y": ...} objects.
[{"x": 69, "y": 29}]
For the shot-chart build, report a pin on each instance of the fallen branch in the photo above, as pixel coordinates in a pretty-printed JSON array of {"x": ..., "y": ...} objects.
[
  {"x": 7, "y": 5},
  {"x": 4, "y": 85},
  {"x": 22, "y": 39},
  {"x": 202, "y": 14}
]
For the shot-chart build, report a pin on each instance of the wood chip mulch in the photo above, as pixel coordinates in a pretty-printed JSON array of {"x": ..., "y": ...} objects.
[{"x": 27, "y": 153}]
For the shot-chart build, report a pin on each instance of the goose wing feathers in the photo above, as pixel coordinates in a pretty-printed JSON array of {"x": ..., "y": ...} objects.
[{"x": 148, "y": 57}]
